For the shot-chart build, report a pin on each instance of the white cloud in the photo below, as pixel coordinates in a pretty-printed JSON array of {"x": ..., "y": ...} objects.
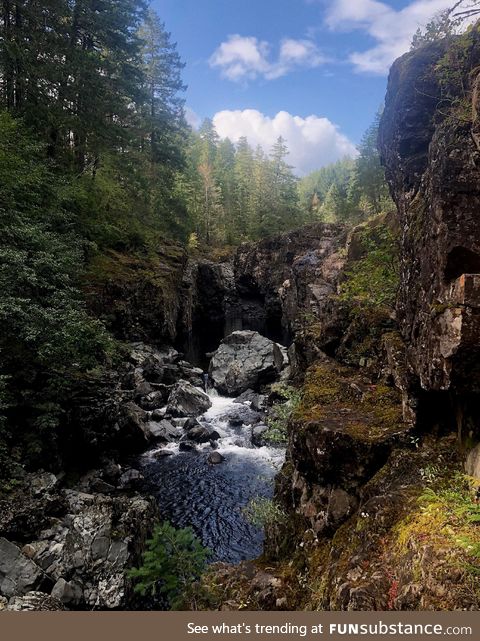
[
  {"x": 192, "y": 118},
  {"x": 243, "y": 58},
  {"x": 312, "y": 141},
  {"x": 391, "y": 29}
]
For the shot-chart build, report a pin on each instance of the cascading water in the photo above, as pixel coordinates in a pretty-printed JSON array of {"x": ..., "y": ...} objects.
[{"x": 211, "y": 498}]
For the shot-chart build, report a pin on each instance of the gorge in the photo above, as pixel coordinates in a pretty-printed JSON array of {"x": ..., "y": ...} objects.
[{"x": 362, "y": 342}]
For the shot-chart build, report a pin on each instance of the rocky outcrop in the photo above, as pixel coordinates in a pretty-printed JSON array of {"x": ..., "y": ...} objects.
[
  {"x": 341, "y": 434},
  {"x": 77, "y": 555},
  {"x": 429, "y": 148},
  {"x": 139, "y": 298},
  {"x": 244, "y": 360},
  {"x": 282, "y": 280}
]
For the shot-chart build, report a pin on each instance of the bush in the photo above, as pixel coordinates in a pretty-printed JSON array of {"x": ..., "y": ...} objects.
[
  {"x": 372, "y": 281},
  {"x": 48, "y": 339},
  {"x": 262, "y": 512},
  {"x": 277, "y": 422},
  {"x": 173, "y": 561}
]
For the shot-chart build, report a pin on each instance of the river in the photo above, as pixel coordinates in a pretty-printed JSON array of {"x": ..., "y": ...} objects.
[{"x": 211, "y": 498}]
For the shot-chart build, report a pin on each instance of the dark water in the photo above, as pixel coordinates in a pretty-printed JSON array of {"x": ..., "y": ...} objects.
[{"x": 210, "y": 498}]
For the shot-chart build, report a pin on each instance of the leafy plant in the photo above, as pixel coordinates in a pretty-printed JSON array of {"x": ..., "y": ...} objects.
[
  {"x": 277, "y": 422},
  {"x": 373, "y": 279},
  {"x": 262, "y": 512},
  {"x": 173, "y": 561}
]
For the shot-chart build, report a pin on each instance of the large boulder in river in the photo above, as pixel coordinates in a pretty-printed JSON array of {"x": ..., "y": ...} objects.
[
  {"x": 187, "y": 400},
  {"x": 244, "y": 360}
]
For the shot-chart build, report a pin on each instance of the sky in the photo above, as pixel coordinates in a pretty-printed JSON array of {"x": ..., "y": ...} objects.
[{"x": 312, "y": 71}]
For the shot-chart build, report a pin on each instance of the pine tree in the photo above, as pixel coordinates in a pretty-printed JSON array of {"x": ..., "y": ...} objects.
[
  {"x": 162, "y": 68},
  {"x": 369, "y": 176},
  {"x": 284, "y": 212},
  {"x": 244, "y": 171},
  {"x": 225, "y": 177}
]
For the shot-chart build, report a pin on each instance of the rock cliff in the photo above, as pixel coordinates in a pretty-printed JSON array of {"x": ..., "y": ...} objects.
[{"x": 429, "y": 144}]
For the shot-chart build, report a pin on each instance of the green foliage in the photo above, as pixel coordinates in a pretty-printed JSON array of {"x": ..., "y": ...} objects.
[
  {"x": 233, "y": 194},
  {"x": 446, "y": 23},
  {"x": 47, "y": 336},
  {"x": 262, "y": 512},
  {"x": 459, "y": 62},
  {"x": 451, "y": 506},
  {"x": 173, "y": 561},
  {"x": 348, "y": 191},
  {"x": 373, "y": 279},
  {"x": 277, "y": 421},
  {"x": 91, "y": 148}
]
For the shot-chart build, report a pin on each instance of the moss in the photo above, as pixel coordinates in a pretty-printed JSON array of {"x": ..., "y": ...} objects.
[{"x": 334, "y": 396}]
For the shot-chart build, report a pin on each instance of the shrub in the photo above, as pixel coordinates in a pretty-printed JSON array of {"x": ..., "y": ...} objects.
[
  {"x": 372, "y": 281},
  {"x": 173, "y": 561},
  {"x": 262, "y": 512},
  {"x": 277, "y": 422}
]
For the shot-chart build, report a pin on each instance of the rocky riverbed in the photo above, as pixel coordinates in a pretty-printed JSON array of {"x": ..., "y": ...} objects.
[{"x": 67, "y": 542}]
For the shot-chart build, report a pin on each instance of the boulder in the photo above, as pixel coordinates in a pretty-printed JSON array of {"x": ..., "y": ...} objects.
[
  {"x": 43, "y": 483},
  {"x": 158, "y": 414},
  {"x": 130, "y": 479},
  {"x": 190, "y": 423},
  {"x": 238, "y": 415},
  {"x": 161, "y": 431},
  {"x": 215, "y": 458},
  {"x": 18, "y": 574},
  {"x": 201, "y": 434},
  {"x": 187, "y": 400},
  {"x": 258, "y": 433},
  {"x": 67, "y": 592},
  {"x": 244, "y": 360},
  {"x": 257, "y": 402},
  {"x": 187, "y": 446}
]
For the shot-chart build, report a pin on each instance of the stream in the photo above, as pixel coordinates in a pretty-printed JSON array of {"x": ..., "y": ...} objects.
[{"x": 210, "y": 498}]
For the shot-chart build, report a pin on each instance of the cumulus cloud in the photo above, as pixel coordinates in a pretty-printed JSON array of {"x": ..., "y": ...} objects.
[
  {"x": 243, "y": 58},
  {"x": 312, "y": 141},
  {"x": 391, "y": 29}
]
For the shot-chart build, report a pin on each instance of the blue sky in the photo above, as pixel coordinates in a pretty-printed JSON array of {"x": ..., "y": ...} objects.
[{"x": 313, "y": 71}]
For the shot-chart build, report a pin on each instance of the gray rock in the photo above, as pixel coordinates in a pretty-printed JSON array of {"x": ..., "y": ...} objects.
[
  {"x": 18, "y": 574},
  {"x": 162, "y": 454},
  {"x": 215, "y": 458},
  {"x": 187, "y": 400},
  {"x": 42, "y": 483},
  {"x": 256, "y": 402},
  {"x": 67, "y": 592},
  {"x": 258, "y": 432},
  {"x": 162, "y": 431},
  {"x": 190, "y": 423},
  {"x": 158, "y": 414},
  {"x": 130, "y": 479},
  {"x": 238, "y": 415},
  {"x": 187, "y": 446},
  {"x": 244, "y": 360},
  {"x": 153, "y": 400},
  {"x": 201, "y": 434}
]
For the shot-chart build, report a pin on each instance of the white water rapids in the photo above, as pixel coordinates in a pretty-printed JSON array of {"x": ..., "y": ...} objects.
[{"x": 211, "y": 498}]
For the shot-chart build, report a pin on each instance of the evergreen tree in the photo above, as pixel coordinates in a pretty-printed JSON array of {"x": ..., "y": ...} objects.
[
  {"x": 244, "y": 168},
  {"x": 369, "y": 175},
  {"x": 225, "y": 177},
  {"x": 284, "y": 212}
]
